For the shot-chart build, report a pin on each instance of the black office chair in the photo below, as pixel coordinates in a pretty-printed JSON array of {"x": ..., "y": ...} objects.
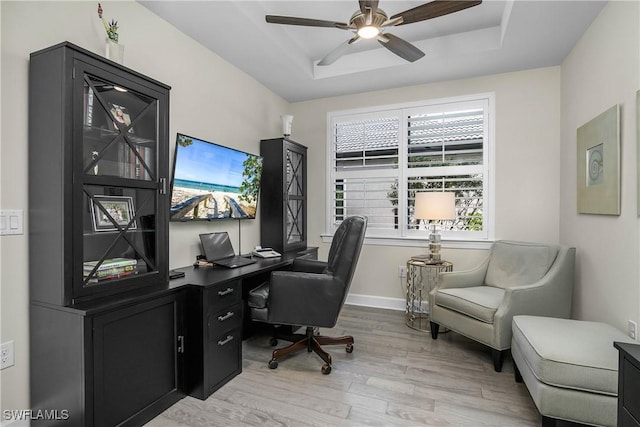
[{"x": 311, "y": 295}]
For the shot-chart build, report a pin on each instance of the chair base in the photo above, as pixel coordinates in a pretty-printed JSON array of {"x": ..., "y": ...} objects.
[
  {"x": 310, "y": 342},
  {"x": 497, "y": 355}
]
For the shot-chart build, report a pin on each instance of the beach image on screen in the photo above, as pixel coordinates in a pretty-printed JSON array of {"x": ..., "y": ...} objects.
[{"x": 213, "y": 182}]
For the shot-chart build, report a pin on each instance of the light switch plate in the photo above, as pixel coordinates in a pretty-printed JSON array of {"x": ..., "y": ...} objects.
[{"x": 11, "y": 221}]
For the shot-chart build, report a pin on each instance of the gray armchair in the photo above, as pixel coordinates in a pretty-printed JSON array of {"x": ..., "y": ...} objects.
[
  {"x": 311, "y": 295},
  {"x": 516, "y": 278}
]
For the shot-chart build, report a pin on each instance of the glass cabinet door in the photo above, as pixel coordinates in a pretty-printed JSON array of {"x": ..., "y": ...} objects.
[
  {"x": 119, "y": 132},
  {"x": 120, "y": 194},
  {"x": 295, "y": 203}
]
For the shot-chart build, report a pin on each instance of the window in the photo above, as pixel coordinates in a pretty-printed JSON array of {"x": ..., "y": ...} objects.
[{"x": 381, "y": 157}]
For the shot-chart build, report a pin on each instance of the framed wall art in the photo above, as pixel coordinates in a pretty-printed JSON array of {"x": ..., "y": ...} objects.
[
  {"x": 598, "y": 167},
  {"x": 120, "y": 208}
]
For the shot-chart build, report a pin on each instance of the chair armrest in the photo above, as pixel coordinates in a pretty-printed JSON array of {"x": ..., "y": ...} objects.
[
  {"x": 309, "y": 265},
  {"x": 550, "y": 296},
  {"x": 305, "y": 299},
  {"x": 464, "y": 278}
]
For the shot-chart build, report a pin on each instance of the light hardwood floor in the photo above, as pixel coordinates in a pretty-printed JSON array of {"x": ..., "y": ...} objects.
[{"x": 395, "y": 377}]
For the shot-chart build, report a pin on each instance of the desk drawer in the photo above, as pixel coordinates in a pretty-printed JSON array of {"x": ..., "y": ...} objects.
[
  {"x": 224, "y": 358},
  {"x": 223, "y": 295},
  {"x": 225, "y": 320}
]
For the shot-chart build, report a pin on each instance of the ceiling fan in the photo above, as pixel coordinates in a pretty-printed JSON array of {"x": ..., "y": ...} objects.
[{"x": 371, "y": 22}]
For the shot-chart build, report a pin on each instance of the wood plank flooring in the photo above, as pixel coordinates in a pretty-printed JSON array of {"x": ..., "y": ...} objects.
[{"x": 395, "y": 377}]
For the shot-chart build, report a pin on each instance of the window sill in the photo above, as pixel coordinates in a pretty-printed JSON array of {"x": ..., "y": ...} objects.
[{"x": 422, "y": 243}]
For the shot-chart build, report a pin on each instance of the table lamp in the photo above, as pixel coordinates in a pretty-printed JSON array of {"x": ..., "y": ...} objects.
[{"x": 434, "y": 206}]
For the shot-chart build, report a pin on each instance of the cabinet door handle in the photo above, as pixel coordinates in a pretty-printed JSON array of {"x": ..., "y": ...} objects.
[
  {"x": 180, "y": 344},
  {"x": 226, "y": 340},
  {"x": 226, "y": 316},
  {"x": 225, "y": 292},
  {"x": 163, "y": 185}
]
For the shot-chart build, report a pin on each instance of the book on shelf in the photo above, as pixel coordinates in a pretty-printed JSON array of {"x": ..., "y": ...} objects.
[
  {"x": 109, "y": 263},
  {"x": 112, "y": 276},
  {"x": 110, "y": 271}
]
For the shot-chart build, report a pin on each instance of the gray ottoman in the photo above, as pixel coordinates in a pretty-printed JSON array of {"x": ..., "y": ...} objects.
[{"x": 570, "y": 368}]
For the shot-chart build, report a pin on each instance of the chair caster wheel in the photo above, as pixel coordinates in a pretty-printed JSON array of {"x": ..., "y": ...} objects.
[
  {"x": 273, "y": 364},
  {"x": 273, "y": 342},
  {"x": 349, "y": 348},
  {"x": 326, "y": 369}
]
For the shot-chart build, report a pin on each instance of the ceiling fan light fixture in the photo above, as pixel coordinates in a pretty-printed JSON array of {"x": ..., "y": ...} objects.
[{"x": 368, "y": 31}]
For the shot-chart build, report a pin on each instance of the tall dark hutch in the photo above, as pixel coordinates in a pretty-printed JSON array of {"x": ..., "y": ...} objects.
[
  {"x": 105, "y": 331},
  {"x": 283, "y": 199}
]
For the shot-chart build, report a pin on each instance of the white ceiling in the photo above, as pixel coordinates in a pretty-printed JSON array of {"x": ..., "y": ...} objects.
[{"x": 496, "y": 36}]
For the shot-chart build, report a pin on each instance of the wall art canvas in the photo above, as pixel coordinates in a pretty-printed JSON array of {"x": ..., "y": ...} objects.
[{"x": 598, "y": 165}]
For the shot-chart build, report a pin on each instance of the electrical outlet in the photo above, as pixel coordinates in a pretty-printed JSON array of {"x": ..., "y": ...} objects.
[
  {"x": 402, "y": 271},
  {"x": 6, "y": 355},
  {"x": 633, "y": 329}
]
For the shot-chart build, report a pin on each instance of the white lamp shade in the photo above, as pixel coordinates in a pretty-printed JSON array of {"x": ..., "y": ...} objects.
[{"x": 435, "y": 205}]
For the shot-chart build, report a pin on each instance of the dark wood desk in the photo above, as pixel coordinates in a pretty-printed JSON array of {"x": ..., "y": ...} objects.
[
  {"x": 140, "y": 352},
  {"x": 217, "y": 319}
]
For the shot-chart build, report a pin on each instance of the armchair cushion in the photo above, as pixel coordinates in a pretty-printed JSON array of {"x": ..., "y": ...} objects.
[
  {"x": 479, "y": 302},
  {"x": 518, "y": 264}
]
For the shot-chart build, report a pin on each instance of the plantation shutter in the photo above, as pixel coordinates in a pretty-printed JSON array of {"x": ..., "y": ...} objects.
[
  {"x": 366, "y": 150},
  {"x": 381, "y": 158}
]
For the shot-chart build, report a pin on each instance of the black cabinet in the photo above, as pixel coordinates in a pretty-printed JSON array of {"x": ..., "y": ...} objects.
[
  {"x": 136, "y": 359},
  {"x": 105, "y": 329},
  {"x": 110, "y": 364},
  {"x": 628, "y": 384},
  {"x": 283, "y": 195},
  {"x": 98, "y": 166}
]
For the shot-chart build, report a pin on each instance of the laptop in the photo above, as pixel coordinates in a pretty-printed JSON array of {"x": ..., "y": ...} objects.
[{"x": 218, "y": 250}]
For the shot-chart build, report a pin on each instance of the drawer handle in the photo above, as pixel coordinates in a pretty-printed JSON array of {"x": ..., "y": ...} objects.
[
  {"x": 226, "y": 340},
  {"x": 226, "y": 316},
  {"x": 225, "y": 292}
]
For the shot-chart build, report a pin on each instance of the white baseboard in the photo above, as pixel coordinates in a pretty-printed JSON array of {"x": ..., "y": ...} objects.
[{"x": 376, "y": 302}]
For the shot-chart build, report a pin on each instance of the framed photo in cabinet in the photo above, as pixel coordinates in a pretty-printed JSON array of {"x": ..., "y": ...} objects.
[
  {"x": 120, "y": 114},
  {"x": 118, "y": 209}
]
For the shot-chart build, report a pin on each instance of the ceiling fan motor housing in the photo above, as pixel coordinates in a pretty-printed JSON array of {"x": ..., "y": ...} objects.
[{"x": 359, "y": 19}]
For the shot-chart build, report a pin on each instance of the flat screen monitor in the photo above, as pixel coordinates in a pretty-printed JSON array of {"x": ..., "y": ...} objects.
[{"x": 212, "y": 182}]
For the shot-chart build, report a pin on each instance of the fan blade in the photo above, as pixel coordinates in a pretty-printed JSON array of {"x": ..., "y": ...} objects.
[
  {"x": 392, "y": 22},
  {"x": 371, "y": 4},
  {"x": 290, "y": 20},
  {"x": 336, "y": 53},
  {"x": 400, "y": 47},
  {"x": 434, "y": 9}
]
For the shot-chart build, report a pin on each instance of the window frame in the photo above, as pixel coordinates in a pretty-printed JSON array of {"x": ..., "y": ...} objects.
[{"x": 404, "y": 236}]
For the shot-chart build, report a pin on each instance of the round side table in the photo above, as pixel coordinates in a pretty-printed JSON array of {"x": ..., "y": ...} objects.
[{"x": 421, "y": 278}]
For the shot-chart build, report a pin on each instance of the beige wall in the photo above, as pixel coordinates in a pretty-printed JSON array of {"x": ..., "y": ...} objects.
[
  {"x": 601, "y": 71},
  {"x": 527, "y": 155},
  {"x": 535, "y": 150},
  {"x": 210, "y": 99}
]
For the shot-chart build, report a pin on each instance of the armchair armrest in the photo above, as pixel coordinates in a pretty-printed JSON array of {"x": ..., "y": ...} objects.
[
  {"x": 309, "y": 265},
  {"x": 550, "y": 296},
  {"x": 465, "y": 278},
  {"x": 299, "y": 298}
]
